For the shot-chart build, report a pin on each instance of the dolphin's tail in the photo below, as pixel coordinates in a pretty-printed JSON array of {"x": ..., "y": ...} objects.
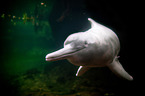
[{"x": 117, "y": 68}]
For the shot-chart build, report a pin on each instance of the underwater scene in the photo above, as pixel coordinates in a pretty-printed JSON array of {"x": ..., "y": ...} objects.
[{"x": 31, "y": 29}]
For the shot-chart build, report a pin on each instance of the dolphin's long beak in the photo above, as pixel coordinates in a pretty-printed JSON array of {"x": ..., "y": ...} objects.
[{"x": 61, "y": 54}]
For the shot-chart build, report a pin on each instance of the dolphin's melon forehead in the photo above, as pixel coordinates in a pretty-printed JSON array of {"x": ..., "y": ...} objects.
[
  {"x": 73, "y": 37},
  {"x": 80, "y": 37}
]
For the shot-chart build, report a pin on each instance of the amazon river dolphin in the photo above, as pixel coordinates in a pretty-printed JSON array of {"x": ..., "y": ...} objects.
[{"x": 96, "y": 47}]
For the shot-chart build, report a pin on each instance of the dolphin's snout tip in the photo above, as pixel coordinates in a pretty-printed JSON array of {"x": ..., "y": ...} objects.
[{"x": 47, "y": 57}]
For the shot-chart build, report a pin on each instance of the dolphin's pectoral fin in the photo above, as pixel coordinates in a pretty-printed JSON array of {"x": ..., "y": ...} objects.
[
  {"x": 82, "y": 70},
  {"x": 117, "y": 68}
]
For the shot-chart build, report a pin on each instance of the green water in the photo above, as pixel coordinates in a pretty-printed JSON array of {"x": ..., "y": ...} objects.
[{"x": 24, "y": 48}]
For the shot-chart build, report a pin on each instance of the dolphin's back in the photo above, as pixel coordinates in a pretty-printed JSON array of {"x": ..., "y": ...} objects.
[{"x": 105, "y": 36}]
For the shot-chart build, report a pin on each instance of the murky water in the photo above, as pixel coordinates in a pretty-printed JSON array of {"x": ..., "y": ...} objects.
[{"x": 30, "y": 29}]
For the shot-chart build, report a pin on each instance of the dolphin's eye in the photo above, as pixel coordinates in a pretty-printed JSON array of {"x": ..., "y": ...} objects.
[{"x": 86, "y": 43}]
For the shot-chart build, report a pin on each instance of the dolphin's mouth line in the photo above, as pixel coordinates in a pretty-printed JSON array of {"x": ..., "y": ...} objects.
[
  {"x": 58, "y": 57},
  {"x": 64, "y": 56}
]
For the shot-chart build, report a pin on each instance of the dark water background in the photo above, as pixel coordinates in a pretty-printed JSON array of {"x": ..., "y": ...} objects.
[{"x": 32, "y": 28}]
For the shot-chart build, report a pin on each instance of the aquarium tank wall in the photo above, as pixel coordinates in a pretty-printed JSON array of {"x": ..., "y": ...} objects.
[{"x": 30, "y": 29}]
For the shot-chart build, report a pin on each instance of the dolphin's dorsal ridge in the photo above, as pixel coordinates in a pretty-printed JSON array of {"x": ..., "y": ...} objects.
[{"x": 92, "y": 22}]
